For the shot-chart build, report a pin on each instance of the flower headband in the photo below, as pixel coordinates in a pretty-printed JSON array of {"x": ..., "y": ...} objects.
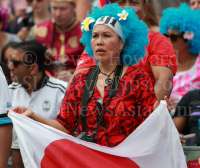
[
  {"x": 188, "y": 35},
  {"x": 107, "y": 20}
]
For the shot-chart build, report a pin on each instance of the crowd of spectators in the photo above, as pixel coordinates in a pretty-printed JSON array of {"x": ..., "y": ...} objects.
[{"x": 40, "y": 46}]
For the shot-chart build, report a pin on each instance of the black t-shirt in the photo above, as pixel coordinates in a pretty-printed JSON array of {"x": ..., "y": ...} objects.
[
  {"x": 189, "y": 106},
  {"x": 23, "y": 20}
]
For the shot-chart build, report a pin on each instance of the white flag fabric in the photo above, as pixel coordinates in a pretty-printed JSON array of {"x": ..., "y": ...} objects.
[{"x": 154, "y": 144}]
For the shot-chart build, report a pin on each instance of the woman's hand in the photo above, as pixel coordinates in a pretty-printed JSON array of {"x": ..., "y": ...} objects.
[
  {"x": 23, "y": 110},
  {"x": 169, "y": 106},
  {"x": 183, "y": 142}
]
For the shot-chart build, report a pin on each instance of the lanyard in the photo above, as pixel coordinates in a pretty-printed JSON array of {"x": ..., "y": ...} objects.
[{"x": 88, "y": 91}]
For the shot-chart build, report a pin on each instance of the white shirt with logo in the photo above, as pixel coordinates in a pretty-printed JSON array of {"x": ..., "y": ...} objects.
[{"x": 45, "y": 101}]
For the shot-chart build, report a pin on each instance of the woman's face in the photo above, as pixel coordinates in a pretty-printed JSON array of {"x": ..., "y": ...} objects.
[
  {"x": 106, "y": 44},
  {"x": 179, "y": 44},
  {"x": 7, "y": 54}
]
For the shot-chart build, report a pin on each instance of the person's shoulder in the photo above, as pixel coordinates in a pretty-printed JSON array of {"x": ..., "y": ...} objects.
[
  {"x": 156, "y": 35},
  {"x": 12, "y": 37},
  {"x": 55, "y": 83},
  {"x": 2, "y": 77},
  {"x": 14, "y": 86},
  {"x": 75, "y": 27},
  {"x": 45, "y": 23},
  {"x": 159, "y": 43},
  {"x": 192, "y": 94}
]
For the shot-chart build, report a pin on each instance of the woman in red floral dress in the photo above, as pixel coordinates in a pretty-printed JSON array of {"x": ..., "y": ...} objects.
[{"x": 107, "y": 35}]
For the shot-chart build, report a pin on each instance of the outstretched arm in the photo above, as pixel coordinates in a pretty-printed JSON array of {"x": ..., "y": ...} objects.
[
  {"x": 164, "y": 83},
  {"x": 29, "y": 113}
]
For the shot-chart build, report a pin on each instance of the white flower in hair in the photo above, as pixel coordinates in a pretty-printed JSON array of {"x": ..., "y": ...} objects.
[
  {"x": 188, "y": 35},
  {"x": 123, "y": 15},
  {"x": 86, "y": 23}
]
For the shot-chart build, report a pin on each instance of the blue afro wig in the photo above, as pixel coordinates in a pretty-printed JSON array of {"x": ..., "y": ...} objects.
[
  {"x": 184, "y": 19},
  {"x": 134, "y": 30}
]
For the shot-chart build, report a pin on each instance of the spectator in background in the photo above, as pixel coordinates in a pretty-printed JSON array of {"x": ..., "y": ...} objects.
[
  {"x": 25, "y": 21},
  {"x": 14, "y": 7},
  {"x": 195, "y": 4},
  {"x": 7, "y": 52},
  {"x": 32, "y": 87},
  {"x": 6, "y": 72},
  {"x": 61, "y": 35},
  {"x": 5, "y": 37},
  {"x": 163, "y": 4},
  {"x": 151, "y": 18},
  {"x": 182, "y": 25},
  {"x": 159, "y": 63},
  {"x": 187, "y": 115}
]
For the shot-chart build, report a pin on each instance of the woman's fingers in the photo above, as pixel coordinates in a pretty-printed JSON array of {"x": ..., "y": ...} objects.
[
  {"x": 28, "y": 113},
  {"x": 19, "y": 109},
  {"x": 167, "y": 100},
  {"x": 183, "y": 142},
  {"x": 156, "y": 104}
]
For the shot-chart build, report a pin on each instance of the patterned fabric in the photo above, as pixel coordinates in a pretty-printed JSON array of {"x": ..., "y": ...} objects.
[
  {"x": 193, "y": 163},
  {"x": 186, "y": 81},
  {"x": 131, "y": 105}
]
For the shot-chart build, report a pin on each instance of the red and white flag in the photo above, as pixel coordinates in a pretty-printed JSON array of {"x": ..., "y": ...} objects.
[{"x": 154, "y": 144}]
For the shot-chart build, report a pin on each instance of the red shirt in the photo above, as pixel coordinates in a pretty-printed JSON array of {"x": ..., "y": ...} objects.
[
  {"x": 131, "y": 105},
  {"x": 67, "y": 47},
  {"x": 160, "y": 53},
  {"x": 193, "y": 164}
]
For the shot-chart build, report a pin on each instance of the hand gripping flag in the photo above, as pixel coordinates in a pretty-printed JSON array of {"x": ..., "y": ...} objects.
[{"x": 154, "y": 144}]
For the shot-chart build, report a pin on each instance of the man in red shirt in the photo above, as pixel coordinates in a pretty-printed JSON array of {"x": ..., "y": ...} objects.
[{"x": 160, "y": 61}]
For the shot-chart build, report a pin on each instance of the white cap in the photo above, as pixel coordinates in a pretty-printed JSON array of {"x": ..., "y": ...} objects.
[{"x": 112, "y": 23}]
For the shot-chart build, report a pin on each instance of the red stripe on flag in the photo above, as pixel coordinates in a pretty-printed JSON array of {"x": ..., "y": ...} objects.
[{"x": 65, "y": 153}]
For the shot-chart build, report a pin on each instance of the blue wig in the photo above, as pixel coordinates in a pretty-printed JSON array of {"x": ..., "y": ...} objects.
[
  {"x": 134, "y": 30},
  {"x": 185, "y": 20}
]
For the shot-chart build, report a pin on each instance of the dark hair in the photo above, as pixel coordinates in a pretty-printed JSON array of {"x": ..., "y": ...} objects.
[
  {"x": 10, "y": 44},
  {"x": 34, "y": 52},
  {"x": 151, "y": 18},
  {"x": 6, "y": 71}
]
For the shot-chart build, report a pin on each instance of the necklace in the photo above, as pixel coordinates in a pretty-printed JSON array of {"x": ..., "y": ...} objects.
[{"x": 108, "y": 80}]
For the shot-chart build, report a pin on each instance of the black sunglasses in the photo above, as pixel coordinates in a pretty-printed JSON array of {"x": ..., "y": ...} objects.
[
  {"x": 17, "y": 62},
  {"x": 173, "y": 37}
]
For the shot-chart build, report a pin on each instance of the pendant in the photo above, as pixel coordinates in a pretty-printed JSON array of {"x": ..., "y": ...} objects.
[{"x": 108, "y": 81}]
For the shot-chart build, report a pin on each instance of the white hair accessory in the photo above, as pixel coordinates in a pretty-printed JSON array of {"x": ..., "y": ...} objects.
[{"x": 112, "y": 23}]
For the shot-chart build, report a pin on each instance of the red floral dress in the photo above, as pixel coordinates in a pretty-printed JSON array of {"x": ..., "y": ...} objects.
[
  {"x": 193, "y": 163},
  {"x": 131, "y": 105}
]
